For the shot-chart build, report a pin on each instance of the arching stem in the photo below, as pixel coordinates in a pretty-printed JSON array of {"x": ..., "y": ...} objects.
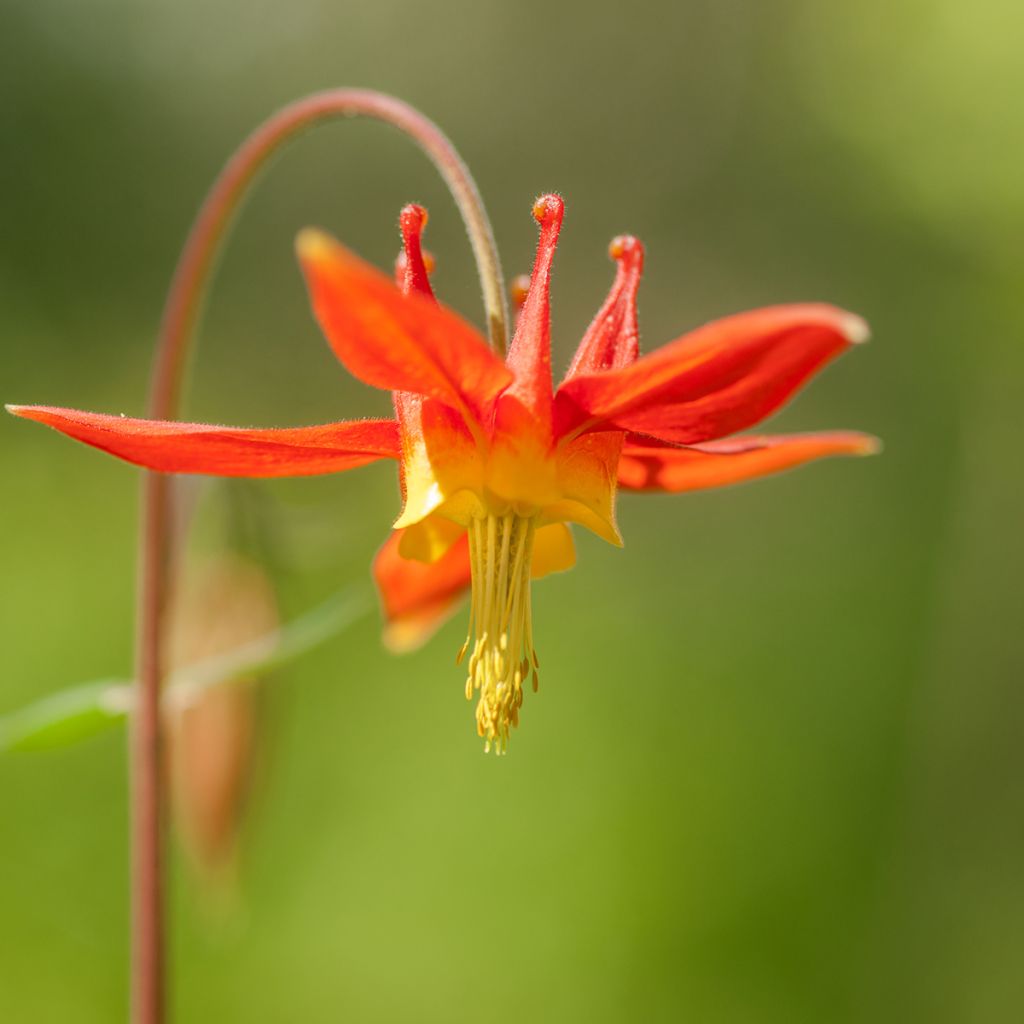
[{"x": 184, "y": 301}]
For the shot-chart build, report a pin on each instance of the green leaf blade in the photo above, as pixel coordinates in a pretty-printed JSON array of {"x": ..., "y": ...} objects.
[{"x": 66, "y": 717}]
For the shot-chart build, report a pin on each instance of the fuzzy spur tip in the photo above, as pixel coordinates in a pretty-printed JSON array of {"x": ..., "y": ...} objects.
[
  {"x": 548, "y": 208},
  {"x": 626, "y": 249},
  {"x": 413, "y": 219}
]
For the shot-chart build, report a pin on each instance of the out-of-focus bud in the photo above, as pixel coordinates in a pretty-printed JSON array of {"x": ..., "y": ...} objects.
[
  {"x": 216, "y": 607},
  {"x": 518, "y": 289}
]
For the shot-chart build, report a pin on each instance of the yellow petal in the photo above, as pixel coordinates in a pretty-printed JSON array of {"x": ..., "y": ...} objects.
[
  {"x": 429, "y": 539},
  {"x": 439, "y": 460},
  {"x": 553, "y": 550},
  {"x": 587, "y": 485},
  {"x": 575, "y": 512}
]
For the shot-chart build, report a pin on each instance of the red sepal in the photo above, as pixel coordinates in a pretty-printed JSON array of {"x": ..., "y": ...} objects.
[
  {"x": 225, "y": 451},
  {"x": 721, "y": 378},
  {"x": 394, "y": 341},
  {"x": 649, "y": 465}
]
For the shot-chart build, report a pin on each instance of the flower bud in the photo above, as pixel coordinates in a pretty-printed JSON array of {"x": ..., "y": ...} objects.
[{"x": 215, "y": 608}]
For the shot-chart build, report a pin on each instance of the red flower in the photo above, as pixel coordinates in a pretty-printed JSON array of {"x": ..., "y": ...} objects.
[{"x": 494, "y": 463}]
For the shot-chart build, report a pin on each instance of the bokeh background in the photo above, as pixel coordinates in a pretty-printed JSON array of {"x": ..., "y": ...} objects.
[{"x": 774, "y": 769}]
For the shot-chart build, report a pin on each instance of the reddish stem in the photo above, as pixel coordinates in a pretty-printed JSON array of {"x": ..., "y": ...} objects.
[{"x": 179, "y": 318}]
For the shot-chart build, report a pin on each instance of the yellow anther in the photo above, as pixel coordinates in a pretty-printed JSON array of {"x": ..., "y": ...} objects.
[{"x": 501, "y": 549}]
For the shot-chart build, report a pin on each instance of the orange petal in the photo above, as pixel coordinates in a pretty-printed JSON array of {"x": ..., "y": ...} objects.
[
  {"x": 394, "y": 341},
  {"x": 647, "y": 465},
  {"x": 418, "y": 598},
  {"x": 723, "y": 377},
  {"x": 225, "y": 451}
]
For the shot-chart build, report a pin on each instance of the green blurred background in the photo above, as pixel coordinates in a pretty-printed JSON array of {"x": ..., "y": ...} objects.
[{"x": 774, "y": 769}]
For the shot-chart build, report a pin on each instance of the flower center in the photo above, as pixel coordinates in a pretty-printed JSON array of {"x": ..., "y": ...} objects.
[{"x": 501, "y": 549}]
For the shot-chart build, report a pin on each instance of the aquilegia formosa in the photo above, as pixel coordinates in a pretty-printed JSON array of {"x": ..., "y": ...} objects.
[{"x": 493, "y": 464}]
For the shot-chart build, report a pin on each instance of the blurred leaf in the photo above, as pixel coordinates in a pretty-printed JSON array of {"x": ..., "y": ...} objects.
[
  {"x": 65, "y": 717},
  {"x": 84, "y": 710},
  {"x": 274, "y": 649}
]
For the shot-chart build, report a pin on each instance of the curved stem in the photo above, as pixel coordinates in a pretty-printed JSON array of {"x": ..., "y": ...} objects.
[
  {"x": 147, "y": 798},
  {"x": 188, "y": 287},
  {"x": 181, "y": 311}
]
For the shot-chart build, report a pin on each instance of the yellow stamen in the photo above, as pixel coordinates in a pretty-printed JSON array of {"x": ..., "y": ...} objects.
[{"x": 500, "y": 549}]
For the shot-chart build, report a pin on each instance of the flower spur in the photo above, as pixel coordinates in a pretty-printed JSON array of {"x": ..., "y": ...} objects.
[{"x": 494, "y": 463}]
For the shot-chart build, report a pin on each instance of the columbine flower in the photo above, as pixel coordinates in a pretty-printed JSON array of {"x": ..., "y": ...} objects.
[{"x": 494, "y": 463}]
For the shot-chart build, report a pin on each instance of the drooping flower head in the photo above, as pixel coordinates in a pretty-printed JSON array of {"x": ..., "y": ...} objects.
[{"x": 496, "y": 463}]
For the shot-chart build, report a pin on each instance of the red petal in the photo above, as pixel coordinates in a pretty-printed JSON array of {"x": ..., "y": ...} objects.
[
  {"x": 647, "y": 465},
  {"x": 225, "y": 451},
  {"x": 613, "y": 338},
  {"x": 411, "y": 276},
  {"x": 411, "y": 272},
  {"x": 529, "y": 355},
  {"x": 719, "y": 379},
  {"x": 418, "y": 597},
  {"x": 401, "y": 343}
]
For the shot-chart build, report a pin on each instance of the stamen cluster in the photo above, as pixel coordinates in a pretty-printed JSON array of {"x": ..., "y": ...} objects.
[{"x": 500, "y": 553}]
